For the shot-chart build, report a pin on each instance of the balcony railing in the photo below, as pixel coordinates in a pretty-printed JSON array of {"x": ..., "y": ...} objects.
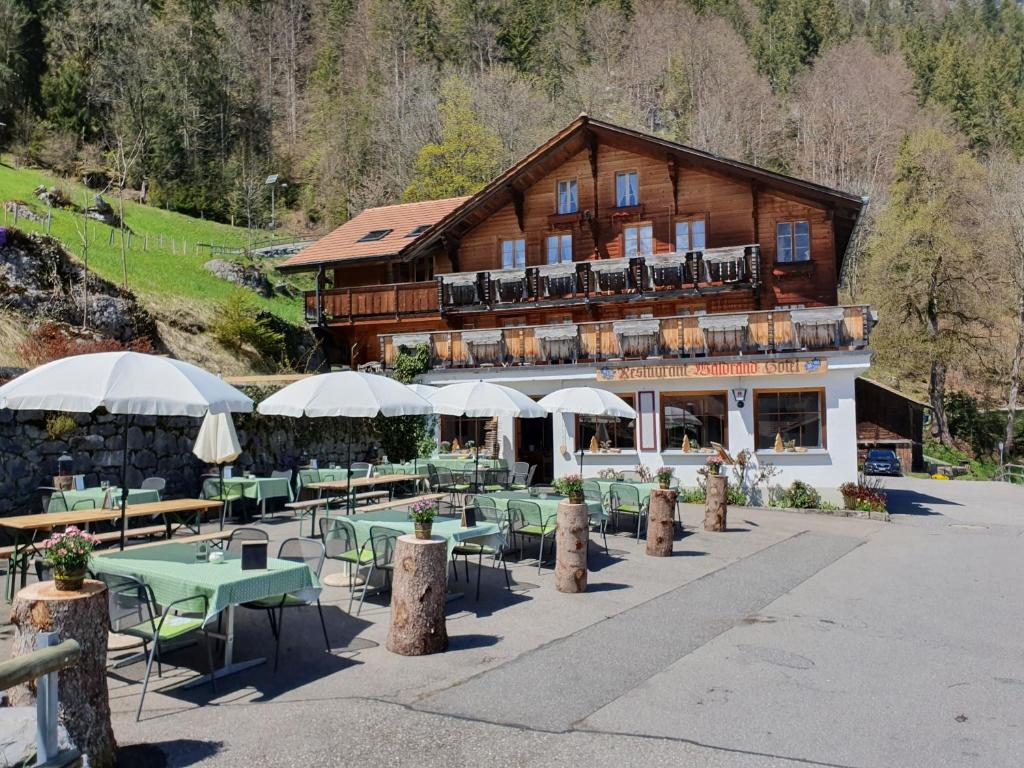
[
  {"x": 677, "y": 337},
  {"x": 688, "y": 273}
]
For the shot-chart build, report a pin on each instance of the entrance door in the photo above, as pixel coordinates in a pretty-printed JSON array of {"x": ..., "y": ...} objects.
[{"x": 533, "y": 444}]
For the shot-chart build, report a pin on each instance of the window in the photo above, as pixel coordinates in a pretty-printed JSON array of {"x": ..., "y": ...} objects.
[
  {"x": 613, "y": 433},
  {"x": 637, "y": 241},
  {"x": 568, "y": 202},
  {"x": 559, "y": 249},
  {"x": 513, "y": 254},
  {"x": 793, "y": 241},
  {"x": 702, "y": 418},
  {"x": 465, "y": 428},
  {"x": 418, "y": 230},
  {"x": 690, "y": 235},
  {"x": 794, "y": 416},
  {"x": 374, "y": 234},
  {"x": 627, "y": 189}
]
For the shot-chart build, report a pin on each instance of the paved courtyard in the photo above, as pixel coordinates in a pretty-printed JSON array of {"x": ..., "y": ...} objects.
[{"x": 789, "y": 640}]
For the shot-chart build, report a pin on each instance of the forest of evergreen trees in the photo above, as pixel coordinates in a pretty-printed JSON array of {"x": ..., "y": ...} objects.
[{"x": 918, "y": 104}]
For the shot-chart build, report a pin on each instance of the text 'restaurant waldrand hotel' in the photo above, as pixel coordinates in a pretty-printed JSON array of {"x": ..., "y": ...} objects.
[{"x": 701, "y": 290}]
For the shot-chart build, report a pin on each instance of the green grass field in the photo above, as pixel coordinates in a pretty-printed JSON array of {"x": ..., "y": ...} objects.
[{"x": 162, "y": 278}]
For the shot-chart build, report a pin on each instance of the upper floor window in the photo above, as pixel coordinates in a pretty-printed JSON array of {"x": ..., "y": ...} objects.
[
  {"x": 690, "y": 235},
  {"x": 793, "y": 241},
  {"x": 568, "y": 201},
  {"x": 627, "y": 189},
  {"x": 559, "y": 249},
  {"x": 637, "y": 240},
  {"x": 513, "y": 254}
]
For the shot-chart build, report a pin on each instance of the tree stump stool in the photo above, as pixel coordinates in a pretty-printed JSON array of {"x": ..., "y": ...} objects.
[
  {"x": 419, "y": 589},
  {"x": 572, "y": 539},
  {"x": 715, "y": 508},
  {"x": 661, "y": 522},
  {"x": 84, "y": 708}
]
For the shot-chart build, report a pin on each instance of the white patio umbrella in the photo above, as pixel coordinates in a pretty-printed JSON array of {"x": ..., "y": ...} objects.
[
  {"x": 127, "y": 384},
  {"x": 483, "y": 399},
  {"x": 217, "y": 443},
  {"x": 587, "y": 401},
  {"x": 352, "y": 394}
]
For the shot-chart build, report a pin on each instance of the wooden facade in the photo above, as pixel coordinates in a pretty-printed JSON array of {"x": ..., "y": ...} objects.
[{"x": 735, "y": 270}]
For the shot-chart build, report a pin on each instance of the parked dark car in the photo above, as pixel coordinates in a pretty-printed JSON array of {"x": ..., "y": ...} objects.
[{"x": 882, "y": 461}]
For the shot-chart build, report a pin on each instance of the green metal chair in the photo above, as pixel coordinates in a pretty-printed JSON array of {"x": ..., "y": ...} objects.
[
  {"x": 625, "y": 499},
  {"x": 487, "y": 512},
  {"x": 382, "y": 544},
  {"x": 340, "y": 543},
  {"x": 527, "y": 519},
  {"x": 592, "y": 492},
  {"x": 212, "y": 490},
  {"x": 131, "y": 611}
]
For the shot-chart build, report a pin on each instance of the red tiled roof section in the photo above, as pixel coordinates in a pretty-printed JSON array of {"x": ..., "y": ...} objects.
[{"x": 342, "y": 244}]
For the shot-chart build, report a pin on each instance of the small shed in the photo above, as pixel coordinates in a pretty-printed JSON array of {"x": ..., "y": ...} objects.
[{"x": 887, "y": 418}]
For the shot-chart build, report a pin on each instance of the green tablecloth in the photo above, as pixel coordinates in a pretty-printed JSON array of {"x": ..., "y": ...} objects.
[
  {"x": 461, "y": 464},
  {"x": 644, "y": 488},
  {"x": 548, "y": 502},
  {"x": 259, "y": 488},
  {"x": 449, "y": 527},
  {"x": 307, "y": 476},
  {"x": 95, "y": 495},
  {"x": 172, "y": 572}
]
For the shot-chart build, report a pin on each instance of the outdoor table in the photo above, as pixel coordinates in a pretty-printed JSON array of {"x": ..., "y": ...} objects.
[
  {"x": 548, "y": 502},
  {"x": 172, "y": 572},
  {"x": 643, "y": 488},
  {"x": 25, "y": 528},
  {"x": 457, "y": 464},
  {"x": 448, "y": 527},
  {"x": 260, "y": 489},
  {"x": 65, "y": 501},
  {"x": 326, "y": 475},
  {"x": 363, "y": 482}
]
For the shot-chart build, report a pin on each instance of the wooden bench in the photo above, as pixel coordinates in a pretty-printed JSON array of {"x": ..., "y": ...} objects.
[
  {"x": 401, "y": 502},
  {"x": 134, "y": 533},
  {"x": 193, "y": 539}
]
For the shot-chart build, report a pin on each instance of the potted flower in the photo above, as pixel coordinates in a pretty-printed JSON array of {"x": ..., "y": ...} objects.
[
  {"x": 67, "y": 554},
  {"x": 713, "y": 464},
  {"x": 571, "y": 486},
  {"x": 445, "y": 447},
  {"x": 664, "y": 475},
  {"x": 643, "y": 472},
  {"x": 422, "y": 514}
]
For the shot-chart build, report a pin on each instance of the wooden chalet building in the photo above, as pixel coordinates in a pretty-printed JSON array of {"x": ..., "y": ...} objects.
[{"x": 701, "y": 289}]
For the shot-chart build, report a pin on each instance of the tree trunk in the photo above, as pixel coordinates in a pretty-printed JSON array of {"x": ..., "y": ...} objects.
[
  {"x": 418, "y": 594},
  {"x": 715, "y": 508},
  {"x": 1015, "y": 371},
  {"x": 661, "y": 523},
  {"x": 572, "y": 538},
  {"x": 937, "y": 377},
  {"x": 84, "y": 706}
]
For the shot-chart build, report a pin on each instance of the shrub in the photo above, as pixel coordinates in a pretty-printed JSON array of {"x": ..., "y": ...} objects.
[
  {"x": 60, "y": 425},
  {"x": 800, "y": 495},
  {"x": 52, "y": 341},
  {"x": 241, "y": 323},
  {"x": 692, "y": 495},
  {"x": 735, "y": 496},
  {"x": 863, "y": 497}
]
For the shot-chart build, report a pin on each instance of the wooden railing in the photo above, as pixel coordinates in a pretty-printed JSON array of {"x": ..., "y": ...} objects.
[
  {"x": 695, "y": 272},
  {"x": 372, "y": 301},
  {"x": 681, "y": 336}
]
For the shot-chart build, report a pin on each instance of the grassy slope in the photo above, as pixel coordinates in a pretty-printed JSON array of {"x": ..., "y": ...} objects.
[{"x": 166, "y": 282}]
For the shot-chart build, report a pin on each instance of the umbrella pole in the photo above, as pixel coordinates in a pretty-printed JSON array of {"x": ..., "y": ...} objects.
[
  {"x": 220, "y": 474},
  {"x": 124, "y": 480},
  {"x": 349, "y": 507}
]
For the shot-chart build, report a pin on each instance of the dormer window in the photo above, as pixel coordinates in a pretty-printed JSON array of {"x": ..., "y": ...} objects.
[
  {"x": 418, "y": 230},
  {"x": 627, "y": 189},
  {"x": 568, "y": 201},
  {"x": 374, "y": 234}
]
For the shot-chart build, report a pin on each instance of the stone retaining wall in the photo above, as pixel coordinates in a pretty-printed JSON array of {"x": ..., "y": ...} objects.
[{"x": 160, "y": 446}]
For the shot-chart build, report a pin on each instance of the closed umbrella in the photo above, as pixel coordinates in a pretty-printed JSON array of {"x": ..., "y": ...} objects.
[
  {"x": 587, "y": 401},
  {"x": 127, "y": 384},
  {"x": 217, "y": 443},
  {"x": 352, "y": 394},
  {"x": 484, "y": 399}
]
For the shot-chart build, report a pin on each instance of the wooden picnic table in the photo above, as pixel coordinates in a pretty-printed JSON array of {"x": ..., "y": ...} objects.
[
  {"x": 364, "y": 482},
  {"x": 26, "y": 528}
]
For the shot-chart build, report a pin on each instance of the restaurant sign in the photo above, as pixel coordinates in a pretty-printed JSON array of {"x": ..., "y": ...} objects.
[{"x": 706, "y": 369}]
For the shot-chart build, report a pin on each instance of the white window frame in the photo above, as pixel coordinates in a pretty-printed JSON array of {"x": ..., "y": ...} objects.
[
  {"x": 516, "y": 247},
  {"x": 687, "y": 226},
  {"x": 631, "y": 196},
  {"x": 570, "y": 197},
  {"x": 640, "y": 231},
  {"x": 562, "y": 245},
  {"x": 788, "y": 230}
]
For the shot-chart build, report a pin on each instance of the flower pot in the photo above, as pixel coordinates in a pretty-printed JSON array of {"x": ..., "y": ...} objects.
[
  {"x": 850, "y": 502},
  {"x": 663, "y": 485},
  {"x": 69, "y": 581},
  {"x": 576, "y": 499},
  {"x": 422, "y": 530}
]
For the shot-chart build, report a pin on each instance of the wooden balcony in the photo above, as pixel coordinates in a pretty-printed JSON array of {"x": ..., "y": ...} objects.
[
  {"x": 550, "y": 286},
  {"x": 678, "y": 337}
]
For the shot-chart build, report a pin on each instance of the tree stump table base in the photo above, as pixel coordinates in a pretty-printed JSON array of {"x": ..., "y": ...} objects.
[
  {"x": 716, "y": 507},
  {"x": 419, "y": 588},
  {"x": 84, "y": 708},
  {"x": 572, "y": 540},
  {"x": 661, "y": 522}
]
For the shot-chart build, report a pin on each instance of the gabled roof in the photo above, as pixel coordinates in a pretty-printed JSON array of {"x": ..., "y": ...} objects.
[{"x": 343, "y": 244}]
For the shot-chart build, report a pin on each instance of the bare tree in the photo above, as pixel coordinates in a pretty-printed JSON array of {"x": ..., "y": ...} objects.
[{"x": 124, "y": 157}]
